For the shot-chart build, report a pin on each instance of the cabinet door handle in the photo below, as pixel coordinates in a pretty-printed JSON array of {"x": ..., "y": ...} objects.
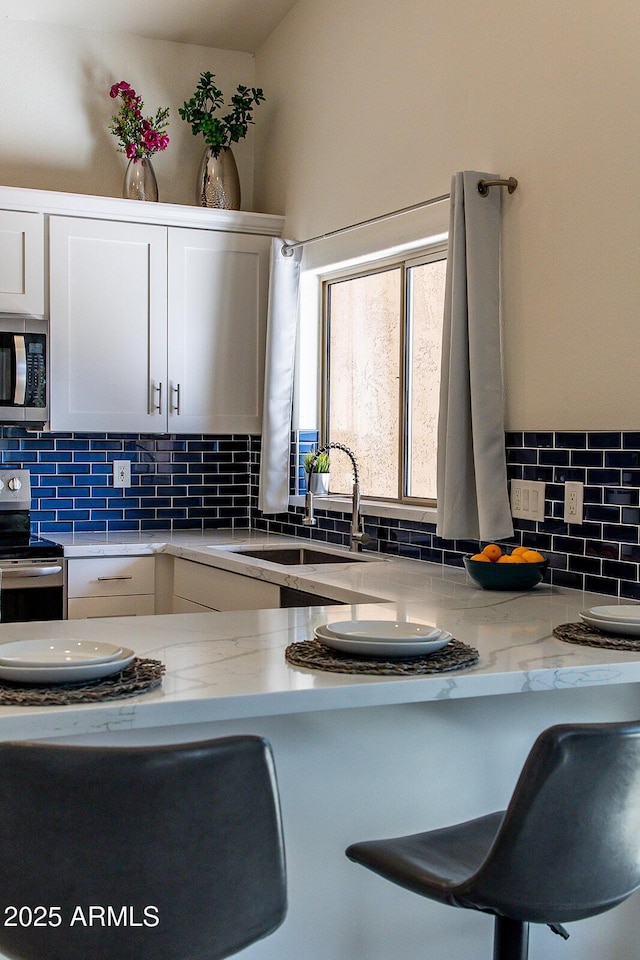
[
  {"x": 176, "y": 406},
  {"x": 155, "y": 388},
  {"x": 115, "y": 578}
]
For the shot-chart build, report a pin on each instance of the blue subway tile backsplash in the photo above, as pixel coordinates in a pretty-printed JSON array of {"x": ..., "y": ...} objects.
[
  {"x": 177, "y": 482},
  {"x": 182, "y": 482},
  {"x": 601, "y": 554}
]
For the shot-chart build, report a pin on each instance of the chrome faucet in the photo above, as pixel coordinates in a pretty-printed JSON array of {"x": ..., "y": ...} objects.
[{"x": 357, "y": 536}]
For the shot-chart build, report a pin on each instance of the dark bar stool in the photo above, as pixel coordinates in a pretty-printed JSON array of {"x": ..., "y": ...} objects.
[
  {"x": 566, "y": 848},
  {"x": 132, "y": 853}
]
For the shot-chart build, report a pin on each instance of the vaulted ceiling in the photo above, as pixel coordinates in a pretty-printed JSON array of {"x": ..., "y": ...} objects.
[{"x": 225, "y": 24}]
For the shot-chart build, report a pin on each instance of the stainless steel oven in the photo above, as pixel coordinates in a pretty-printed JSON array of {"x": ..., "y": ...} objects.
[
  {"x": 31, "y": 590},
  {"x": 31, "y": 568}
]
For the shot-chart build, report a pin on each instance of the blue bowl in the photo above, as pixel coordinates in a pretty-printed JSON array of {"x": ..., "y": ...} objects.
[{"x": 505, "y": 576}]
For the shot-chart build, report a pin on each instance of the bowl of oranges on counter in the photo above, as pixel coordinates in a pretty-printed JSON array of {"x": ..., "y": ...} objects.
[{"x": 494, "y": 568}]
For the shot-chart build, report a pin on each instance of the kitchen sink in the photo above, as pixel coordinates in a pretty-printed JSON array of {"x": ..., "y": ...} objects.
[{"x": 299, "y": 556}]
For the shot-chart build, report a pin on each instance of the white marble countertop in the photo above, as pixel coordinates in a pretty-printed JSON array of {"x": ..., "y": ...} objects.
[
  {"x": 222, "y": 666},
  {"x": 357, "y": 756},
  {"x": 345, "y": 582}
]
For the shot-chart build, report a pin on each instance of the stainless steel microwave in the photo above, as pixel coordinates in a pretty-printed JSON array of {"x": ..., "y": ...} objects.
[{"x": 23, "y": 370}]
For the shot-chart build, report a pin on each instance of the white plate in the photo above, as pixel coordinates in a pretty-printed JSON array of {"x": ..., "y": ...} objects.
[
  {"x": 629, "y": 613},
  {"x": 626, "y": 629},
  {"x": 394, "y": 630},
  {"x": 71, "y": 673},
  {"x": 56, "y": 653},
  {"x": 382, "y": 648}
]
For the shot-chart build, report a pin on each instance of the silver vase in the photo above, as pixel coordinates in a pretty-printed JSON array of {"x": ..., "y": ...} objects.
[
  {"x": 318, "y": 483},
  {"x": 140, "y": 181},
  {"x": 218, "y": 181}
]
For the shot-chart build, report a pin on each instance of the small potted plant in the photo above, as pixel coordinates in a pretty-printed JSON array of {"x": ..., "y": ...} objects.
[
  {"x": 139, "y": 138},
  {"x": 318, "y": 474},
  {"x": 218, "y": 181}
]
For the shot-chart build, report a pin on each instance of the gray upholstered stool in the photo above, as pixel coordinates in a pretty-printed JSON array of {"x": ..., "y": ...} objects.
[
  {"x": 566, "y": 848},
  {"x": 167, "y": 852}
]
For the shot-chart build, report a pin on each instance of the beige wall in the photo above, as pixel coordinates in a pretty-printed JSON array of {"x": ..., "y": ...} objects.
[
  {"x": 55, "y": 108},
  {"x": 373, "y": 105}
]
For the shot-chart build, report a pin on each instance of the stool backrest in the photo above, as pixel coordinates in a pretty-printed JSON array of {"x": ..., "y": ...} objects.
[
  {"x": 139, "y": 853},
  {"x": 571, "y": 834}
]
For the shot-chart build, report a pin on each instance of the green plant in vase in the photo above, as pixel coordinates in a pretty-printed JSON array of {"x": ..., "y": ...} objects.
[
  {"x": 317, "y": 471},
  {"x": 322, "y": 462},
  {"x": 218, "y": 183}
]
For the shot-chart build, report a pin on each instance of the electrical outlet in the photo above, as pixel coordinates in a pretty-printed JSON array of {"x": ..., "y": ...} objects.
[
  {"x": 122, "y": 473},
  {"x": 527, "y": 499},
  {"x": 573, "y": 501}
]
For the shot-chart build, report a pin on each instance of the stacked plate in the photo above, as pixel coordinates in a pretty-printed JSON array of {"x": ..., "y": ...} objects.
[
  {"x": 615, "y": 618},
  {"x": 61, "y": 661},
  {"x": 382, "y": 638}
]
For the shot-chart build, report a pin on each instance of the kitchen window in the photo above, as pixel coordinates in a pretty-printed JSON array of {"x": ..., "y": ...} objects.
[{"x": 382, "y": 350}]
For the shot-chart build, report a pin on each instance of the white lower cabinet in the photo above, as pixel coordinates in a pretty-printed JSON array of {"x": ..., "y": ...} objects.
[
  {"x": 85, "y": 608},
  {"x": 110, "y": 587},
  {"x": 197, "y": 586},
  {"x": 141, "y": 586}
]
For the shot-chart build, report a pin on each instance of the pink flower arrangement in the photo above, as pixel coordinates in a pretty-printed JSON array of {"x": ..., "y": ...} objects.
[{"x": 139, "y": 136}]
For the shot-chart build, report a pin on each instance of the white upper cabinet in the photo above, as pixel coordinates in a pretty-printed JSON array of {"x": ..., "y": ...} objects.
[
  {"x": 218, "y": 285},
  {"x": 156, "y": 311},
  {"x": 22, "y": 281},
  {"x": 108, "y": 325},
  {"x": 156, "y": 329}
]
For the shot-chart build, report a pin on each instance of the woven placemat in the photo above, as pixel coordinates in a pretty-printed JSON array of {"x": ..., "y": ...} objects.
[
  {"x": 140, "y": 676},
  {"x": 311, "y": 653},
  {"x": 592, "y": 637}
]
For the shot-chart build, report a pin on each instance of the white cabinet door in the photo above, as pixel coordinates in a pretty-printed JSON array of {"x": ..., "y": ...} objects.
[
  {"x": 156, "y": 329},
  {"x": 21, "y": 262},
  {"x": 108, "y": 311},
  {"x": 216, "y": 589},
  {"x": 218, "y": 285}
]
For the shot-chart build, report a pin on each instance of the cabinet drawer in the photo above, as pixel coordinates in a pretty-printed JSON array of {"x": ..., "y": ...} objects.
[
  {"x": 110, "y": 576},
  {"x": 222, "y": 590},
  {"x": 86, "y": 607}
]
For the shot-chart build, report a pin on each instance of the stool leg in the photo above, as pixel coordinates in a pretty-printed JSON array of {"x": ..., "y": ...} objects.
[{"x": 511, "y": 939}]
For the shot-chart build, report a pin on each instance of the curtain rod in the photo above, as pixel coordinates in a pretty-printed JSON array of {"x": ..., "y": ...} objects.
[{"x": 483, "y": 189}]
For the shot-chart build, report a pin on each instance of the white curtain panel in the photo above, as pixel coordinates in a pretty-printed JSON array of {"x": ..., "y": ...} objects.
[
  {"x": 473, "y": 501},
  {"x": 282, "y": 326}
]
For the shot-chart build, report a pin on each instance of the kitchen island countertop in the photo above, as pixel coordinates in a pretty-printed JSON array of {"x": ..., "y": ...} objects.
[
  {"x": 222, "y": 666},
  {"x": 359, "y": 756}
]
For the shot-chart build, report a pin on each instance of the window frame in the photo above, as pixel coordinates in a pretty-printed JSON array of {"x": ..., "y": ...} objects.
[{"x": 429, "y": 253}]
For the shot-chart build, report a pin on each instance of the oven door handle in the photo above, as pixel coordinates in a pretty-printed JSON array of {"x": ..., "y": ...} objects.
[{"x": 12, "y": 573}]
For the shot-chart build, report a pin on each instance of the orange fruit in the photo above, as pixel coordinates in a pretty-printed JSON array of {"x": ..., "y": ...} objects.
[
  {"x": 492, "y": 551},
  {"x": 518, "y": 550},
  {"x": 509, "y": 558},
  {"x": 517, "y": 558},
  {"x": 532, "y": 556},
  {"x": 480, "y": 556}
]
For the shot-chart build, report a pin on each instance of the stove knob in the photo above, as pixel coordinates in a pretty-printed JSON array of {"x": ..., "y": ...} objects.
[
  {"x": 1, "y": 485},
  {"x": 14, "y": 484}
]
